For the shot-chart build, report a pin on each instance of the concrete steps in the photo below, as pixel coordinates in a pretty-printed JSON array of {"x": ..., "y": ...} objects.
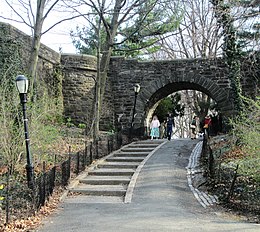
[
  {"x": 125, "y": 159},
  {"x": 137, "y": 149},
  {"x": 132, "y": 154},
  {"x": 100, "y": 190},
  {"x": 110, "y": 177},
  {"x": 106, "y": 180},
  {"x": 112, "y": 172},
  {"x": 123, "y": 165},
  {"x": 143, "y": 145},
  {"x": 89, "y": 199}
]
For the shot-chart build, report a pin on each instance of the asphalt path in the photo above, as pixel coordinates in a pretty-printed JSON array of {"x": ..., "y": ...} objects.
[{"x": 162, "y": 201}]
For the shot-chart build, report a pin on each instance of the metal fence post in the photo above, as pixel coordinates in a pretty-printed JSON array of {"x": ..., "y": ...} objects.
[
  {"x": 7, "y": 197},
  {"x": 77, "y": 167},
  {"x": 211, "y": 163},
  {"x": 97, "y": 149},
  {"x": 85, "y": 155},
  {"x": 91, "y": 153},
  {"x": 231, "y": 190},
  {"x": 69, "y": 162},
  {"x": 44, "y": 184},
  {"x": 108, "y": 146},
  {"x": 112, "y": 144}
]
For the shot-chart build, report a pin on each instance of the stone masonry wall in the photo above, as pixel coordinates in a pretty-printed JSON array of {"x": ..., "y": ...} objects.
[
  {"x": 158, "y": 79},
  {"x": 48, "y": 58},
  {"x": 79, "y": 73},
  {"x": 78, "y": 86},
  {"x": 79, "y": 91}
]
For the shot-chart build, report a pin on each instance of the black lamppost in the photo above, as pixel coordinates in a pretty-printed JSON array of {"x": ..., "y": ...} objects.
[
  {"x": 22, "y": 86},
  {"x": 136, "y": 90}
]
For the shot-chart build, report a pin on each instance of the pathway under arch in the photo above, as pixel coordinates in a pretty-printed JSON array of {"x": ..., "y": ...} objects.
[{"x": 213, "y": 91}]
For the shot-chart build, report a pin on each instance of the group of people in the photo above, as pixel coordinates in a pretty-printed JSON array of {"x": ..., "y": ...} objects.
[
  {"x": 205, "y": 127},
  {"x": 197, "y": 127},
  {"x": 167, "y": 127},
  {"x": 209, "y": 126}
]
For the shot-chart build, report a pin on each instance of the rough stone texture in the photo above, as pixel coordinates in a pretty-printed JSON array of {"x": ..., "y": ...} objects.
[
  {"x": 78, "y": 86},
  {"x": 48, "y": 58},
  {"x": 157, "y": 79}
]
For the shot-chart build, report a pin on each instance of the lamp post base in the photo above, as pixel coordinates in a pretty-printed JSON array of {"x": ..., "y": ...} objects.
[{"x": 30, "y": 176}]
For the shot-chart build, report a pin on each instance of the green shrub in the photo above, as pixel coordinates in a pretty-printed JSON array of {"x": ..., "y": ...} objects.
[
  {"x": 82, "y": 126},
  {"x": 246, "y": 129},
  {"x": 69, "y": 123}
]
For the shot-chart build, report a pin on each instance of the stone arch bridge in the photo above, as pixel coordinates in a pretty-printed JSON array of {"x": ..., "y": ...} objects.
[{"x": 157, "y": 79}]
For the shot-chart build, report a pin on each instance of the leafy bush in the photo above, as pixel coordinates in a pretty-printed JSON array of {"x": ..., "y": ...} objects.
[{"x": 246, "y": 130}]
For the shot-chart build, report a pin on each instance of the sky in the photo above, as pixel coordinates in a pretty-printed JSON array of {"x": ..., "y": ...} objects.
[{"x": 58, "y": 37}]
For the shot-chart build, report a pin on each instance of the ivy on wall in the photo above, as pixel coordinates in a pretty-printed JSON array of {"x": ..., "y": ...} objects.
[
  {"x": 54, "y": 85},
  {"x": 44, "y": 114},
  {"x": 232, "y": 53},
  {"x": 10, "y": 56},
  {"x": 10, "y": 113}
]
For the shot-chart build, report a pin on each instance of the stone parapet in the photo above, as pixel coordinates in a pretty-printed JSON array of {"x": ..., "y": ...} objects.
[
  {"x": 79, "y": 61},
  {"x": 15, "y": 34}
]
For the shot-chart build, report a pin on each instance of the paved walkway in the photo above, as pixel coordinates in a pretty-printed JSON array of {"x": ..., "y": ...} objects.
[{"x": 162, "y": 201}]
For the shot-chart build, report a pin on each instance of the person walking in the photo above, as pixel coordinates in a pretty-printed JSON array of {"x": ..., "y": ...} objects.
[
  {"x": 193, "y": 127},
  {"x": 163, "y": 130},
  {"x": 154, "y": 127},
  {"x": 170, "y": 125},
  {"x": 207, "y": 125}
]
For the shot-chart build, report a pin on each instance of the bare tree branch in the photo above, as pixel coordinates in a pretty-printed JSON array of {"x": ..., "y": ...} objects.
[
  {"x": 61, "y": 21},
  {"x": 17, "y": 13}
]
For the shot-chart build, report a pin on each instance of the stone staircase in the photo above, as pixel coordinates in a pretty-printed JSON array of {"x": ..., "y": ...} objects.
[{"x": 110, "y": 176}]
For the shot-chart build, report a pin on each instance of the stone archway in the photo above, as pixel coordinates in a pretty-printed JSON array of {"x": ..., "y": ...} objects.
[
  {"x": 158, "y": 79},
  {"x": 148, "y": 100}
]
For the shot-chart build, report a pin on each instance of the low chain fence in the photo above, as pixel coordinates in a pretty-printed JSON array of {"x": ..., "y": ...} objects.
[
  {"x": 17, "y": 201},
  {"x": 233, "y": 189}
]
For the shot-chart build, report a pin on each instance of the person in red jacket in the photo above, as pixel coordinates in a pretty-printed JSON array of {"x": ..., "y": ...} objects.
[{"x": 207, "y": 124}]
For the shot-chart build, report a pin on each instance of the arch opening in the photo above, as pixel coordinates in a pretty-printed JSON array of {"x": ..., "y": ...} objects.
[{"x": 190, "y": 94}]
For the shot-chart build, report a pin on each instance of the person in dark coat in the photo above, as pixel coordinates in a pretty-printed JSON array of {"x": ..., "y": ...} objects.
[{"x": 170, "y": 125}]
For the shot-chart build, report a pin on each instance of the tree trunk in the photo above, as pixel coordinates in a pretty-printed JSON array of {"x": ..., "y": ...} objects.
[
  {"x": 36, "y": 42},
  {"x": 104, "y": 62}
]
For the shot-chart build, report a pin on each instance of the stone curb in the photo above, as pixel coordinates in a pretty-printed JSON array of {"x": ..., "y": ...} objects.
[{"x": 203, "y": 198}]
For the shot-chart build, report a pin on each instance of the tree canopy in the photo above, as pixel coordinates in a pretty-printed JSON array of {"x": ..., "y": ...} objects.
[{"x": 138, "y": 29}]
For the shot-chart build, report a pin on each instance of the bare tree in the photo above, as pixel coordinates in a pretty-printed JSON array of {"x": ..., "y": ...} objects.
[
  {"x": 198, "y": 35},
  {"x": 33, "y": 15},
  {"x": 117, "y": 14}
]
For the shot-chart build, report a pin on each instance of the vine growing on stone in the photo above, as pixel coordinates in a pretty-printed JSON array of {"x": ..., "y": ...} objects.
[
  {"x": 43, "y": 115},
  {"x": 10, "y": 66},
  {"x": 232, "y": 53}
]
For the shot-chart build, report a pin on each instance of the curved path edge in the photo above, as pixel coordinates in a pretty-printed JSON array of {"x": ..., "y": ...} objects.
[
  {"x": 131, "y": 186},
  {"x": 203, "y": 198}
]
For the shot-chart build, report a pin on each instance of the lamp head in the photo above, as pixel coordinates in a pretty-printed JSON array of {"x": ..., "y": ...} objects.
[
  {"x": 137, "y": 88},
  {"x": 22, "y": 84}
]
